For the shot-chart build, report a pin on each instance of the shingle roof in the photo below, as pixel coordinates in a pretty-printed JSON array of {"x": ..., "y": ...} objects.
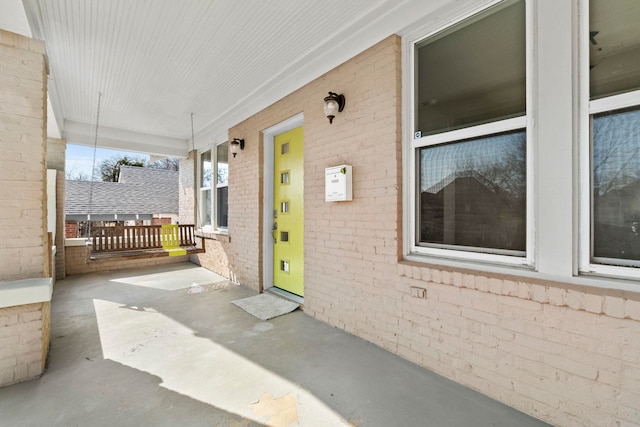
[
  {"x": 135, "y": 174},
  {"x": 461, "y": 174},
  {"x": 141, "y": 191}
]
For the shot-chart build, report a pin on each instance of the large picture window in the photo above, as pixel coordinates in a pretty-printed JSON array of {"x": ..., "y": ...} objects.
[
  {"x": 614, "y": 108},
  {"x": 214, "y": 184},
  {"x": 470, "y": 144}
]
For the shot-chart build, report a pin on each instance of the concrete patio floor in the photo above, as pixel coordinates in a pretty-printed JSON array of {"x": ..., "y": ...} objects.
[{"x": 164, "y": 346}]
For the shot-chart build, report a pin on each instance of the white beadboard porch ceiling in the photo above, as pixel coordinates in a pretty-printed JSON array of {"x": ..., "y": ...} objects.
[{"x": 157, "y": 61}]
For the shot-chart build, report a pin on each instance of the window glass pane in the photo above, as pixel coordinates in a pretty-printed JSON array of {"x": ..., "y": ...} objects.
[
  {"x": 616, "y": 186},
  {"x": 473, "y": 194},
  {"x": 222, "y": 164},
  {"x": 284, "y": 177},
  {"x": 206, "y": 170},
  {"x": 473, "y": 72},
  {"x": 222, "y": 206},
  {"x": 614, "y": 46},
  {"x": 222, "y": 185},
  {"x": 206, "y": 207}
]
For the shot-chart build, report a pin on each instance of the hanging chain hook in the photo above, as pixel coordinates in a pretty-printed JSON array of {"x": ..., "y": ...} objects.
[
  {"x": 93, "y": 168},
  {"x": 195, "y": 168}
]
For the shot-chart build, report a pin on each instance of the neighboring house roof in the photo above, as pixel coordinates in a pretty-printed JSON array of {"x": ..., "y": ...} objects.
[
  {"x": 140, "y": 193},
  {"x": 461, "y": 174},
  {"x": 136, "y": 174}
]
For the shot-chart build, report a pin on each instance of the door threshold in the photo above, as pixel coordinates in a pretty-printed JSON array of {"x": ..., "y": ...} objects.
[{"x": 285, "y": 294}]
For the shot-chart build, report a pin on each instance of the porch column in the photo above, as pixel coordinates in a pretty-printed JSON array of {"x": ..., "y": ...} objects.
[
  {"x": 56, "y": 154},
  {"x": 25, "y": 253}
]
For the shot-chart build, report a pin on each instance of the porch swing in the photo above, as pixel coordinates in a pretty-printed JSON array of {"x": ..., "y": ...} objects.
[{"x": 138, "y": 241}]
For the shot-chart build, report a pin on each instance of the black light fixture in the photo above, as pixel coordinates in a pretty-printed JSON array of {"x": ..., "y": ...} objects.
[
  {"x": 236, "y": 145},
  {"x": 333, "y": 104}
]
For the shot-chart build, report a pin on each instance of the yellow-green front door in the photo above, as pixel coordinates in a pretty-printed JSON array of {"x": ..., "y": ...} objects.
[{"x": 288, "y": 221}]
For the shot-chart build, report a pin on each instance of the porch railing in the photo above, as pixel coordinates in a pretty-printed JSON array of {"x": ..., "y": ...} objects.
[{"x": 141, "y": 237}]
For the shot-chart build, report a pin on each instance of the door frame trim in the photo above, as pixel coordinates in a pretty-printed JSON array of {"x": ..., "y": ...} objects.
[{"x": 269, "y": 135}]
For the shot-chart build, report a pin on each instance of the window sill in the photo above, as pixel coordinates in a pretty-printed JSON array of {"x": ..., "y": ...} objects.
[
  {"x": 220, "y": 235},
  {"x": 412, "y": 266}
]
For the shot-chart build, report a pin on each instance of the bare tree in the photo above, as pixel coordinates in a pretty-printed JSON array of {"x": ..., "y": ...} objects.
[
  {"x": 110, "y": 168},
  {"x": 507, "y": 170},
  {"x": 168, "y": 163},
  {"x": 616, "y": 157},
  {"x": 72, "y": 174}
]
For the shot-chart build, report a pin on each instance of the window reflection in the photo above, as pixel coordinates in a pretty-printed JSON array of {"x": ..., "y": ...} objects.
[
  {"x": 207, "y": 170},
  {"x": 206, "y": 220},
  {"x": 222, "y": 185},
  {"x": 614, "y": 68},
  {"x": 473, "y": 193},
  {"x": 616, "y": 186},
  {"x": 222, "y": 164}
]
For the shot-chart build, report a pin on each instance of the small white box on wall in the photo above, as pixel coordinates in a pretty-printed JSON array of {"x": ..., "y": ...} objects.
[{"x": 338, "y": 184}]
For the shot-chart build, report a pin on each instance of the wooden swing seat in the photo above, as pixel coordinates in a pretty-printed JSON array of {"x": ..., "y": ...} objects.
[{"x": 144, "y": 241}]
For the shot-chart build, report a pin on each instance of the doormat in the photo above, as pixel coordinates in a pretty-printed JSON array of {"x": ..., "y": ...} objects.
[{"x": 266, "y": 306}]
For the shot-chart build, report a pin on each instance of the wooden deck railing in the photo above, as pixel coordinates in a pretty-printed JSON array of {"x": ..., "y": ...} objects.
[{"x": 141, "y": 237}]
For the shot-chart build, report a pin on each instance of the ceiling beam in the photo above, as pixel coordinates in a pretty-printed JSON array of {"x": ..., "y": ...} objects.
[{"x": 121, "y": 139}]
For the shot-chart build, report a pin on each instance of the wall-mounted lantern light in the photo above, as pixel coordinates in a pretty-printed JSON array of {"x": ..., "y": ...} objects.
[
  {"x": 333, "y": 104},
  {"x": 236, "y": 145}
]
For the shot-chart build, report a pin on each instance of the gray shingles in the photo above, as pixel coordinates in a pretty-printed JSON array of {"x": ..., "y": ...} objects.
[{"x": 141, "y": 191}]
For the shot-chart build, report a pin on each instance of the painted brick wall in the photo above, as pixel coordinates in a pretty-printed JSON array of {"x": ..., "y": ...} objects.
[
  {"x": 76, "y": 261},
  {"x": 216, "y": 256},
  {"x": 564, "y": 353},
  {"x": 366, "y": 135},
  {"x": 56, "y": 152},
  {"x": 24, "y": 253},
  {"x": 23, "y": 226},
  {"x": 24, "y": 341}
]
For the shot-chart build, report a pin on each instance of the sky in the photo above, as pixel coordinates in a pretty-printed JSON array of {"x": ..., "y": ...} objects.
[{"x": 79, "y": 159}]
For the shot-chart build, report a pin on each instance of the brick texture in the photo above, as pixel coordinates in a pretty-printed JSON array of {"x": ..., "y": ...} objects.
[
  {"x": 78, "y": 262},
  {"x": 56, "y": 152},
  {"x": 566, "y": 354},
  {"x": 23, "y": 225},
  {"x": 215, "y": 257},
  {"x": 24, "y": 342},
  {"x": 557, "y": 352},
  {"x": 71, "y": 229},
  {"x": 24, "y": 253}
]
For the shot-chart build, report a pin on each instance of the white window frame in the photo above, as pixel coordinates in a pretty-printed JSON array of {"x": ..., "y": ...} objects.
[
  {"x": 412, "y": 250},
  {"x": 203, "y": 190},
  {"x": 586, "y": 110},
  {"x": 213, "y": 227}
]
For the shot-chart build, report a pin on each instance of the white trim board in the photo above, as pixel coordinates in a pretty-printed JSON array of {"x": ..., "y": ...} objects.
[{"x": 26, "y": 291}]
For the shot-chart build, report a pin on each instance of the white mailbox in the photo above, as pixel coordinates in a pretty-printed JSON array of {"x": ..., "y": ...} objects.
[{"x": 337, "y": 184}]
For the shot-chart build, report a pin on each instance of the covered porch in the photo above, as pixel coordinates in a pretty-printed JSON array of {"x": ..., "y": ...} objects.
[{"x": 163, "y": 345}]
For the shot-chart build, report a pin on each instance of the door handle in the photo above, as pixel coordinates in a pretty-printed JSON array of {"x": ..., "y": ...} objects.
[{"x": 273, "y": 232}]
